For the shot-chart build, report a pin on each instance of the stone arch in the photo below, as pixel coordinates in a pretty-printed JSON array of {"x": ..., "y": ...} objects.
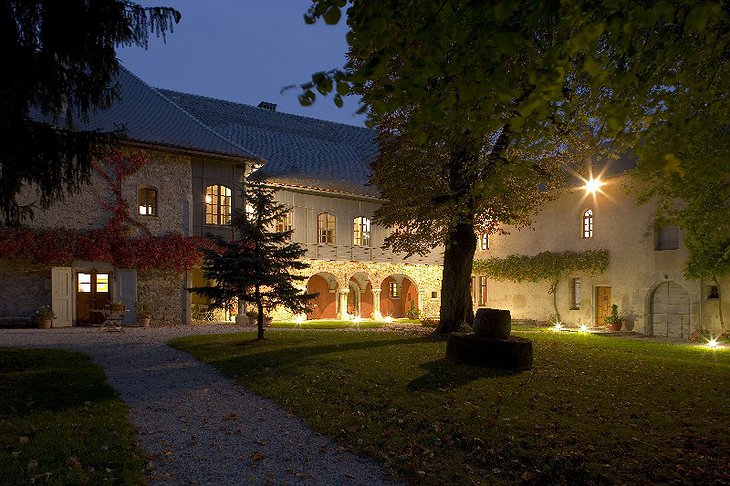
[
  {"x": 324, "y": 306},
  {"x": 360, "y": 296},
  {"x": 397, "y": 303}
]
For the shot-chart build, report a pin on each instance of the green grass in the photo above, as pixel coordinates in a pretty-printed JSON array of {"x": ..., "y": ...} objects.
[
  {"x": 60, "y": 423},
  {"x": 593, "y": 408}
]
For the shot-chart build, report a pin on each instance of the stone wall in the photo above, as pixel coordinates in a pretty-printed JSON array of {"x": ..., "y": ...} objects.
[
  {"x": 23, "y": 289},
  {"x": 165, "y": 294}
]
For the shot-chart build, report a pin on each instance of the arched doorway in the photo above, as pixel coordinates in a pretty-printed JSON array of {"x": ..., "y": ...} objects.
[
  {"x": 670, "y": 311},
  {"x": 360, "y": 297},
  {"x": 324, "y": 306},
  {"x": 398, "y": 294}
]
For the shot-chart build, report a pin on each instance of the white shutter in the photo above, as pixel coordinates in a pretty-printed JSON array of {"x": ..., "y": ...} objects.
[
  {"x": 62, "y": 296},
  {"x": 126, "y": 291}
]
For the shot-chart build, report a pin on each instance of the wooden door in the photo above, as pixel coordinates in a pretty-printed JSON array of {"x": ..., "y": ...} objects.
[
  {"x": 670, "y": 311},
  {"x": 92, "y": 292},
  {"x": 62, "y": 296},
  {"x": 603, "y": 304}
]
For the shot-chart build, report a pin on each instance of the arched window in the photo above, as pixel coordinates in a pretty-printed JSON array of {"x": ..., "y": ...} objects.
[
  {"x": 285, "y": 222},
  {"x": 484, "y": 241},
  {"x": 361, "y": 233},
  {"x": 147, "y": 201},
  {"x": 217, "y": 204},
  {"x": 326, "y": 228},
  {"x": 588, "y": 224}
]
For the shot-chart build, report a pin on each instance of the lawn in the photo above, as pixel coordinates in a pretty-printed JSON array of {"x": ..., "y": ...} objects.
[
  {"x": 593, "y": 409},
  {"x": 339, "y": 324},
  {"x": 60, "y": 423}
]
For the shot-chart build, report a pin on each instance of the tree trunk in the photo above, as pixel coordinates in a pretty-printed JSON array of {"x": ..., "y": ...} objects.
[
  {"x": 719, "y": 302},
  {"x": 260, "y": 317},
  {"x": 456, "y": 305},
  {"x": 554, "y": 291}
]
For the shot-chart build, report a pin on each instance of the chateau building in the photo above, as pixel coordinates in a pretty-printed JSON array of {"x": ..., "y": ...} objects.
[{"x": 197, "y": 153}]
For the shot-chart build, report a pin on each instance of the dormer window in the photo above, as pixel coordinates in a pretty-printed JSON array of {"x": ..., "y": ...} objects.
[
  {"x": 147, "y": 201},
  {"x": 588, "y": 223},
  {"x": 217, "y": 205}
]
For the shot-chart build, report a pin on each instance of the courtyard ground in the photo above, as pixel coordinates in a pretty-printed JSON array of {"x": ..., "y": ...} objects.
[{"x": 594, "y": 409}]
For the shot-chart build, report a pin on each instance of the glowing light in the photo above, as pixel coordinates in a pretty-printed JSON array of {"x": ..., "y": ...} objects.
[
  {"x": 583, "y": 328},
  {"x": 712, "y": 343},
  {"x": 208, "y": 199},
  {"x": 300, "y": 318},
  {"x": 357, "y": 319},
  {"x": 558, "y": 326},
  {"x": 388, "y": 319},
  {"x": 592, "y": 185}
]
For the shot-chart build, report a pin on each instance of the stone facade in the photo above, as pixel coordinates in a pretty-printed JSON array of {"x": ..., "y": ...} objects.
[
  {"x": 166, "y": 295},
  {"x": 636, "y": 270},
  {"x": 23, "y": 290}
]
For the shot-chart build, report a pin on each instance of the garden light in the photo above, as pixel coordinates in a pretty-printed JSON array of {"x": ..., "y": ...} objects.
[
  {"x": 558, "y": 326},
  {"x": 712, "y": 343},
  {"x": 388, "y": 319},
  {"x": 583, "y": 328},
  {"x": 300, "y": 318}
]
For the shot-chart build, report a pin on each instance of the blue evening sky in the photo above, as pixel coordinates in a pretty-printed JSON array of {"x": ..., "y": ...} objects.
[{"x": 245, "y": 51}]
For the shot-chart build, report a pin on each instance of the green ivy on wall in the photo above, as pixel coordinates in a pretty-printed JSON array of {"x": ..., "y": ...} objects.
[{"x": 547, "y": 265}]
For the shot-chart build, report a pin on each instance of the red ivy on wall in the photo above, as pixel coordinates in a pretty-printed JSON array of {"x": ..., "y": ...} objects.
[{"x": 113, "y": 243}]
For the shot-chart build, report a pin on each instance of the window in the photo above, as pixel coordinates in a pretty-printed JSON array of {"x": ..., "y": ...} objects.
[
  {"x": 575, "y": 293},
  {"x": 482, "y": 290},
  {"x": 102, "y": 282},
  {"x": 434, "y": 295},
  {"x": 84, "y": 283},
  {"x": 326, "y": 228},
  {"x": 588, "y": 224},
  {"x": 361, "y": 232},
  {"x": 667, "y": 238},
  {"x": 484, "y": 241},
  {"x": 147, "y": 201},
  {"x": 713, "y": 292},
  {"x": 217, "y": 205},
  {"x": 394, "y": 291},
  {"x": 285, "y": 222},
  {"x": 473, "y": 288}
]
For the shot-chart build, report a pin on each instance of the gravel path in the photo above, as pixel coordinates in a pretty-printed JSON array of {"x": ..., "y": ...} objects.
[{"x": 197, "y": 426}]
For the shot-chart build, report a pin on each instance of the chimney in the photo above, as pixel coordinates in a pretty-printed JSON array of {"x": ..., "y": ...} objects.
[{"x": 267, "y": 106}]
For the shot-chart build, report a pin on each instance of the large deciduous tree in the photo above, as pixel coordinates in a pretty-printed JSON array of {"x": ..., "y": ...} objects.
[
  {"x": 59, "y": 62},
  {"x": 477, "y": 103},
  {"x": 256, "y": 266}
]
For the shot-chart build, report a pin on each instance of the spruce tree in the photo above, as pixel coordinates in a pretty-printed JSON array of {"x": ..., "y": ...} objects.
[
  {"x": 255, "y": 266},
  {"x": 59, "y": 63}
]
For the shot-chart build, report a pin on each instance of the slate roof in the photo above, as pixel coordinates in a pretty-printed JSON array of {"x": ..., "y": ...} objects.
[
  {"x": 299, "y": 151},
  {"x": 148, "y": 116}
]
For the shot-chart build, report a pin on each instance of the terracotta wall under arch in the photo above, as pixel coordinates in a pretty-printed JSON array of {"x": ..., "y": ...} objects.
[{"x": 325, "y": 304}]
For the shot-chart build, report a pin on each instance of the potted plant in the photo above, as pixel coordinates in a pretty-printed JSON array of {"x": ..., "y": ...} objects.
[
  {"x": 144, "y": 314},
  {"x": 44, "y": 316},
  {"x": 252, "y": 315},
  {"x": 613, "y": 322},
  {"x": 413, "y": 313}
]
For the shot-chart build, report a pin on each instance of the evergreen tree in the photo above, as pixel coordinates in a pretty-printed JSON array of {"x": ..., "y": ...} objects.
[
  {"x": 255, "y": 266},
  {"x": 59, "y": 62}
]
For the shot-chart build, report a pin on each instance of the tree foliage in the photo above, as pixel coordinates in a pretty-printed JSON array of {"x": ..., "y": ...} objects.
[
  {"x": 255, "y": 267},
  {"x": 547, "y": 265},
  {"x": 59, "y": 62},
  {"x": 486, "y": 98}
]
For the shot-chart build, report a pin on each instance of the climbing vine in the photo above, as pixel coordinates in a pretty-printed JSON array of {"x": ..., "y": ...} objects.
[
  {"x": 546, "y": 265},
  {"x": 115, "y": 242}
]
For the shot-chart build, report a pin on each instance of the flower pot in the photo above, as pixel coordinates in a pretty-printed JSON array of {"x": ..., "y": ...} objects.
[
  {"x": 44, "y": 323},
  {"x": 613, "y": 327},
  {"x": 144, "y": 321}
]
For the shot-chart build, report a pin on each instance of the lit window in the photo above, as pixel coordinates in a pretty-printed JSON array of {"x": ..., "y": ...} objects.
[
  {"x": 285, "y": 222},
  {"x": 326, "y": 228},
  {"x": 394, "y": 291},
  {"x": 217, "y": 205},
  {"x": 575, "y": 293},
  {"x": 588, "y": 224},
  {"x": 484, "y": 241},
  {"x": 102, "y": 282},
  {"x": 667, "y": 238},
  {"x": 473, "y": 289},
  {"x": 482, "y": 290},
  {"x": 84, "y": 282},
  {"x": 361, "y": 232},
  {"x": 147, "y": 201}
]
